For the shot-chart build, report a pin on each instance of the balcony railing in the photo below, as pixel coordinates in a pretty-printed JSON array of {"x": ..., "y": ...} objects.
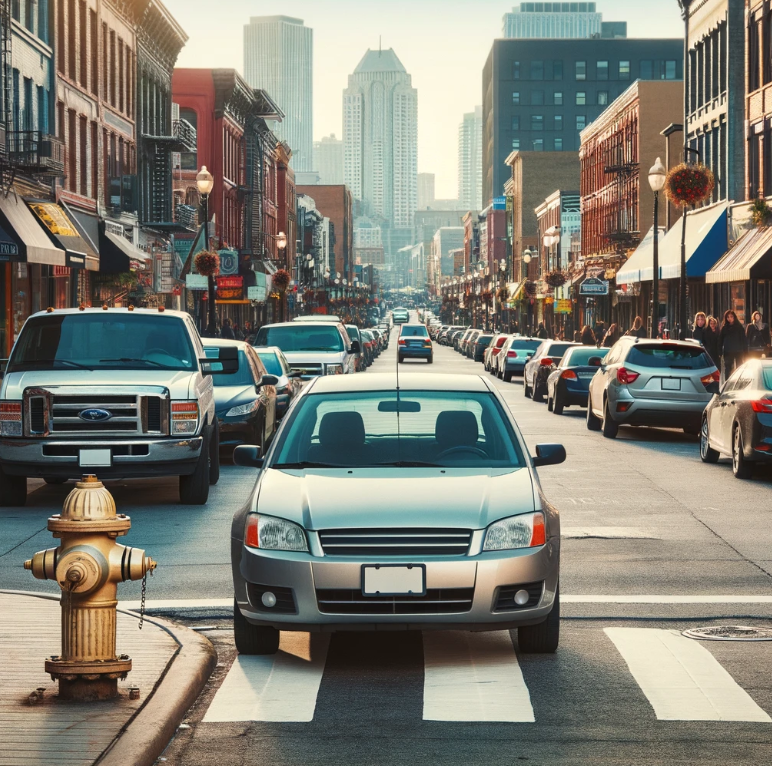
[
  {"x": 185, "y": 133},
  {"x": 34, "y": 152},
  {"x": 3, "y": 144}
]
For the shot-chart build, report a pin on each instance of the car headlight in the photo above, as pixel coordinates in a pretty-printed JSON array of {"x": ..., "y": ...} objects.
[
  {"x": 272, "y": 534},
  {"x": 243, "y": 409},
  {"x": 526, "y": 531},
  {"x": 334, "y": 369}
]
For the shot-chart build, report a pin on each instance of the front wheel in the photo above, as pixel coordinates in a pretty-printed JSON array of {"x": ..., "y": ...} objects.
[
  {"x": 741, "y": 467},
  {"x": 194, "y": 488},
  {"x": 253, "y": 639},
  {"x": 707, "y": 453},
  {"x": 544, "y": 637},
  {"x": 13, "y": 490},
  {"x": 526, "y": 387}
]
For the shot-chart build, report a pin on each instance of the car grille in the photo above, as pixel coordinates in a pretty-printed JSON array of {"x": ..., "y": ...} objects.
[
  {"x": 285, "y": 599},
  {"x": 308, "y": 369},
  {"x": 505, "y": 598},
  {"x": 395, "y": 542},
  {"x": 436, "y": 601}
]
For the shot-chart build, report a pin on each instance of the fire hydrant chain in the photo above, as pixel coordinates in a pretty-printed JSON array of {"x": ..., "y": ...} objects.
[{"x": 142, "y": 602}]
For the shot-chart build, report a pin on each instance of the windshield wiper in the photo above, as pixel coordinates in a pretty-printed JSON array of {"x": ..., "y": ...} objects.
[
  {"x": 126, "y": 360},
  {"x": 408, "y": 464},
  {"x": 306, "y": 464}
]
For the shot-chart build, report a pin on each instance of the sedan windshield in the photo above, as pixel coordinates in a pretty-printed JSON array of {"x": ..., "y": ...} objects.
[
  {"x": 414, "y": 330},
  {"x": 301, "y": 337},
  {"x": 580, "y": 357},
  {"x": 420, "y": 428}
]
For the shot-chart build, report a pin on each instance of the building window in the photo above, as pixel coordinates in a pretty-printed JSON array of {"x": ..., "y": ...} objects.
[
  {"x": 602, "y": 97},
  {"x": 602, "y": 70},
  {"x": 558, "y": 98},
  {"x": 515, "y": 143},
  {"x": 671, "y": 70},
  {"x": 83, "y": 29},
  {"x": 29, "y": 15},
  {"x": 537, "y": 70},
  {"x": 624, "y": 70},
  {"x": 581, "y": 70},
  {"x": 537, "y": 97},
  {"x": 558, "y": 122},
  {"x": 537, "y": 145},
  {"x": 94, "y": 53},
  {"x": 42, "y": 109},
  {"x": 516, "y": 97},
  {"x": 71, "y": 73},
  {"x": 516, "y": 123},
  {"x": 558, "y": 144},
  {"x": 537, "y": 122},
  {"x": 27, "y": 123},
  {"x": 581, "y": 121},
  {"x": 515, "y": 70},
  {"x": 647, "y": 70},
  {"x": 557, "y": 70},
  {"x": 581, "y": 98},
  {"x": 43, "y": 20}
]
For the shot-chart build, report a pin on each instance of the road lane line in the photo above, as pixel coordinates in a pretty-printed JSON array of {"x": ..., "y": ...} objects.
[
  {"x": 681, "y": 678},
  {"x": 473, "y": 677},
  {"x": 282, "y": 687}
]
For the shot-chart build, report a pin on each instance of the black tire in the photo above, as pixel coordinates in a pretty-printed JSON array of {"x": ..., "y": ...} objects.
[
  {"x": 742, "y": 468},
  {"x": 707, "y": 453},
  {"x": 55, "y": 480},
  {"x": 194, "y": 489},
  {"x": 593, "y": 421},
  {"x": 13, "y": 490},
  {"x": 400, "y": 359},
  {"x": 430, "y": 360},
  {"x": 507, "y": 377},
  {"x": 557, "y": 405},
  {"x": 253, "y": 639},
  {"x": 538, "y": 393},
  {"x": 543, "y": 638},
  {"x": 549, "y": 404},
  {"x": 526, "y": 388},
  {"x": 214, "y": 455},
  {"x": 610, "y": 426}
]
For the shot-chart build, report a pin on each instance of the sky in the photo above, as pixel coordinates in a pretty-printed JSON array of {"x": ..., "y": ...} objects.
[{"x": 442, "y": 43}]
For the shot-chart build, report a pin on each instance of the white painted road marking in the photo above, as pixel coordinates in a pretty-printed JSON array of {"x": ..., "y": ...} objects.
[
  {"x": 681, "y": 678},
  {"x": 282, "y": 687},
  {"x": 473, "y": 677},
  {"x": 608, "y": 533}
]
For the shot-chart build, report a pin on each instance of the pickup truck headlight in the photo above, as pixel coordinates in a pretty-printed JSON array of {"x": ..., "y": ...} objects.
[
  {"x": 243, "y": 409},
  {"x": 184, "y": 418},
  {"x": 10, "y": 419},
  {"x": 333, "y": 369},
  {"x": 272, "y": 534},
  {"x": 525, "y": 531}
]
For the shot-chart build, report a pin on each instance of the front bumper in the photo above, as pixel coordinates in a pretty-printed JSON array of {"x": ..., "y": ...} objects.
[
  {"x": 134, "y": 458},
  {"x": 485, "y": 574}
]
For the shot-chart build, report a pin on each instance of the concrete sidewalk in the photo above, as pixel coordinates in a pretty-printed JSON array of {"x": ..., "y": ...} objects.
[{"x": 171, "y": 664}]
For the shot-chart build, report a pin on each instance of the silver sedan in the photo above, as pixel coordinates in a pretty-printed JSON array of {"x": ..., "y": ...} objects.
[{"x": 385, "y": 508}]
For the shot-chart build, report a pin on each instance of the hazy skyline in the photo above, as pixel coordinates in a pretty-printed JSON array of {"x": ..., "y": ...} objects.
[{"x": 442, "y": 43}]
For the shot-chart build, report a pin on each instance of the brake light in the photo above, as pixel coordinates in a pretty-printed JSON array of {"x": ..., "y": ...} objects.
[
  {"x": 401, "y": 341},
  {"x": 539, "y": 535},
  {"x": 427, "y": 343},
  {"x": 500, "y": 342},
  {"x": 511, "y": 354},
  {"x": 568, "y": 375},
  {"x": 627, "y": 376},
  {"x": 762, "y": 405},
  {"x": 10, "y": 419},
  {"x": 546, "y": 362},
  {"x": 714, "y": 377},
  {"x": 184, "y": 418}
]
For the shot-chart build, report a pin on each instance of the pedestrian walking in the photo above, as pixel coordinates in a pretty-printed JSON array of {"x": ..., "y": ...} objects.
[
  {"x": 710, "y": 340},
  {"x": 757, "y": 335},
  {"x": 600, "y": 330},
  {"x": 612, "y": 336},
  {"x": 700, "y": 327},
  {"x": 732, "y": 343},
  {"x": 637, "y": 330},
  {"x": 577, "y": 336},
  {"x": 587, "y": 336},
  {"x": 227, "y": 330},
  {"x": 542, "y": 332}
]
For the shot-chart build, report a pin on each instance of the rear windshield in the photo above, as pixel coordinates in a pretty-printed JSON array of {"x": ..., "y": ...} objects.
[
  {"x": 415, "y": 330},
  {"x": 485, "y": 339},
  {"x": 271, "y": 362},
  {"x": 582, "y": 356},
  {"x": 671, "y": 357},
  {"x": 533, "y": 344},
  {"x": 301, "y": 337},
  {"x": 556, "y": 350}
]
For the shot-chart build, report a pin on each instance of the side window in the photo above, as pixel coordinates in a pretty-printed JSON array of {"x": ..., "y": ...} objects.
[
  {"x": 540, "y": 351},
  {"x": 284, "y": 363},
  {"x": 344, "y": 336},
  {"x": 255, "y": 365}
]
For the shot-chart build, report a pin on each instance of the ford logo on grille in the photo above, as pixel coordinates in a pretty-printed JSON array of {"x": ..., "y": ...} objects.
[{"x": 94, "y": 415}]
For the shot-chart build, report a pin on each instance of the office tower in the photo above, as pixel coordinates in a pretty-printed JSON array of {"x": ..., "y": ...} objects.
[
  {"x": 555, "y": 20},
  {"x": 426, "y": 182},
  {"x": 470, "y": 161},
  {"x": 328, "y": 160}
]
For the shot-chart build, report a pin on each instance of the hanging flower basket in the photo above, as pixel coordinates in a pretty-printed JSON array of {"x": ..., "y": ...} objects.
[
  {"x": 555, "y": 278},
  {"x": 760, "y": 212},
  {"x": 207, "y": 263},
  {"x": 503, "y": 294},
  {"x": 530, "y": 288},
  {"x": 688, "y": 185},
  {"x": 281, "y": 280}
]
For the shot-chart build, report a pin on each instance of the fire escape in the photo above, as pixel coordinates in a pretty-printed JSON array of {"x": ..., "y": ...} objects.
[{"x": 624, "y": 234}]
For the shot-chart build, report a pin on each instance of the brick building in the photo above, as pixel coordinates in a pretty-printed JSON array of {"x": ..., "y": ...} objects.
[{"x": 336, "y": 203}]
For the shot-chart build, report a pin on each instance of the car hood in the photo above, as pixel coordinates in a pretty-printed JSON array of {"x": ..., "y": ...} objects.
[
  {"x": 384, "y": 497},
  {"x": 313, "y": 357},
  {"x": 226, "y": 397}
]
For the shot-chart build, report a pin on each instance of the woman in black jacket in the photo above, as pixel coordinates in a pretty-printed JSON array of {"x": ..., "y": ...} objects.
[
  {"x": 710, "y": 340},
  {"x": 587, "y": 337},
  {"x": 732, "y": 343},
  {"x": 757, "y": 335}
]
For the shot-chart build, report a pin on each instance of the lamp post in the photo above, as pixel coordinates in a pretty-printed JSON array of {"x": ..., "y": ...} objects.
[
  {"x": 552, "y": 238},
  {"x": 527, "y": 258},
  {"x": 685, "y": 6},
  {"x": 657, "y": 176},
  {"x": 205, "y": 184}
]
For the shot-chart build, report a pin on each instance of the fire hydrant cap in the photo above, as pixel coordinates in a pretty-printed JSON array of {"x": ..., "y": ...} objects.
[{"x": 89, "y": 501}]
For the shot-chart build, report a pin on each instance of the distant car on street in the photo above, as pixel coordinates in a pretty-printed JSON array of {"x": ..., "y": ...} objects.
[
  {"x": 568, "y": 382},
  {"x": 414, "y": 343},
  {"x": 493, "y": 350},
  {"x": 400, "y": 315},
  {"x": 514, "y": 355},
  {"x": 290, "y": 383},
  {"x": 481, "y": 344},
  {"x": 540, "y": 365}
]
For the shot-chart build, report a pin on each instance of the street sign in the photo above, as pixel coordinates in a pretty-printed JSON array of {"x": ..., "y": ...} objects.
[
  {"x": 564, "y": 306},
  {"x": 256, "y": 293},
  {"x": 196, "y": 282},
  {"x": 229, "y": 262},
  {"x": 593, "y": 286},
  {"x": 499, "y": 203}
]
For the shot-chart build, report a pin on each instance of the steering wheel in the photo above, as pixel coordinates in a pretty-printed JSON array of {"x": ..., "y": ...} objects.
[{"x": 463, "y": 448}]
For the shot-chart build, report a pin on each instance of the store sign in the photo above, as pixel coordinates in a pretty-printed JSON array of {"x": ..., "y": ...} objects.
[
  {"x": 564, "y": 306},
  {"x": 256, "y": 293},
  {"x": 230, "y": 288},
  {"x": 229, "y": 262},
  {"x": 593, "y": 286},
  {"x": 54, "y": 218},
  {"x": 499, "y": 203},
  {"x": 196, "y": 282}
]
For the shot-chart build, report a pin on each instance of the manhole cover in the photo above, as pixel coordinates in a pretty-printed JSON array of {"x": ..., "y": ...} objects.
[{"x": 730, "y": 633}]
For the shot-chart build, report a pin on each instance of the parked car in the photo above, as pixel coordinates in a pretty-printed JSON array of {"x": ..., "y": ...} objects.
[
  {"x": 454, "y": 335},
  {"x": 493, "y": 350},
  {"x": 353, "y": 333},
  {"x": 738, "y": 421},
  {"x": 414, "y": 343},
  {"x": 514, "y": 355},
  {"x": 290, "y": 383},
  {"x": 460, "y": 342},
  {"x": 568, "y": 382},
  {"x": 539, "y": 366},
  {"x": 312, "y": 348},
  {"x": 245, "y": 400},
  {"x": 368, "y": 346},
  {"x": 660, "y": 383},
  {"x": 469, "y": 342},
  {"x": 481, "y": 344},
  {"x": 478, "y": 549},
  {"x": 400, "y": 315},
  {"x": 379, "y": 342}
]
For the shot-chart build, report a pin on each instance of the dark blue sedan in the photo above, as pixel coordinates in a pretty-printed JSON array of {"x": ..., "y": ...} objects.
[
  {"x": 414, "y": 343},
  {"x": 569, "y": 381}
]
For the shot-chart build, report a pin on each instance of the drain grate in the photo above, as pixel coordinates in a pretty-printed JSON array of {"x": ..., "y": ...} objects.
[{"x": 729, "y": 633}]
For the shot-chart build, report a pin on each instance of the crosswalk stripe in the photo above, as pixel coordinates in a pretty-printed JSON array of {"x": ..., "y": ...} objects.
[
  {"x": 473, "y": 677},
  {"x": 282, "y": 687},
  {"x": 681, "y": 678}
]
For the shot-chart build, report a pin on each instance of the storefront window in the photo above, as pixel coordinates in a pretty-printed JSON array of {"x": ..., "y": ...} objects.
[
  {"x": 20, "y": 294},
  {"x": 738, "y": 300}
]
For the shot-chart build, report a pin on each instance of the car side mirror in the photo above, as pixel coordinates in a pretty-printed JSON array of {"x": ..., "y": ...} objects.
[
  {"x": 595, "y": 361},
  {"x": 549, "y": 454},
  {"x": 248, "y": 456},
  {"x": 225, "y": 363},
  {"x": 356, "y": 347},
  {"x": 267, "y": 380}
]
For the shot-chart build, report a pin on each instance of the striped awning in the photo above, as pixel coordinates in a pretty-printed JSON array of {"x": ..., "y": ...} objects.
[{"x": 749, "y": 258}]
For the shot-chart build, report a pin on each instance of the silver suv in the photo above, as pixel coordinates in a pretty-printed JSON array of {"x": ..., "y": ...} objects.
[{"x": 642, "y": 382}]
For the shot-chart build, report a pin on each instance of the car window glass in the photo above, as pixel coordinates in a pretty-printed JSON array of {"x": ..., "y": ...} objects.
[
  {"x": 530, "y": 344},
  {"x": 670, "y": 356},
  {"x": 767, "y": 373},
  {"x": 271, "y": 362},
  {"x": 258, "y": 368},
  {"x": 558, "y": 349},
  {"x": 302, "y": 337},
  {"x": 243, "y": 377}
]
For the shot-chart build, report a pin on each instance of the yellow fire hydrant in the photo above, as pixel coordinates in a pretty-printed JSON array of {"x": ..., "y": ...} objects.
[{"x": 88, "y": 565}]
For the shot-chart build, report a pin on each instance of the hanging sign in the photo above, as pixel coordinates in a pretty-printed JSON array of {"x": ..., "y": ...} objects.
[
  {"x": 230, "y": 288},
  {"x": 196, "y": 282},
  {"x": 229, "y": 262},
  {"x": 593, "y": 286}
]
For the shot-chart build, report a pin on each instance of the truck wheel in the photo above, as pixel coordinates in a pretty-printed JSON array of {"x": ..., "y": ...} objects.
[
  {"x": 214, "y": 455},
  {"x": 13, "y": 490},
  {"x": 253, "y": 639},
  {"x": 194, "y": 489},
  {"x": 544, "y": 637},
  {"x": 55, "y": 480}
]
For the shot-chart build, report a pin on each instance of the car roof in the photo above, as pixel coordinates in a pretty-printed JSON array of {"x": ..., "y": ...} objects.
[
  {"x": 110, "y": 310},
  {"x": 316, "y": 318},
  {"x": 295, "y": 324},
  {"x": 385, "y": 381},
  {"x": 223, "y": 343}
]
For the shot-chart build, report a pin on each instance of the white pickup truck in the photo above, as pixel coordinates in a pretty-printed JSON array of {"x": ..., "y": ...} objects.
[{"x": 122, "y": 393}]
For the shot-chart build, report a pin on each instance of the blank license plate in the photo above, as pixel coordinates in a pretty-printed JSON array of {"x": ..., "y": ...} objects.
[
  {"x": 671, "y": 384},
  {"x": 95, "y": 458},
  {"x": 394, "y": 580}
]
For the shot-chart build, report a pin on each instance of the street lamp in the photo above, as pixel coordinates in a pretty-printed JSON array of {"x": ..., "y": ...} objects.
[
  {"x": 657, "y": 176},
  {"x": 205, "y": 184}
]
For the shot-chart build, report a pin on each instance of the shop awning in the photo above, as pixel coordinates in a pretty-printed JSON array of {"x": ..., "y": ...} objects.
[
  {"x": 62, "y": 231},
  {"x": 706, "y": 242},
  {"x": 118, "y": 255},
  {"x": 87, "y": 225},
  {"x": 639, "y": 267},
  {"x": 749, "y": 258},
  {"x": 515, "y": 291},
  {"x": 20, "y": 226}
]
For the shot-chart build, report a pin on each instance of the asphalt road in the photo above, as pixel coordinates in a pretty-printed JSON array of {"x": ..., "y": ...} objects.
[{"x": 654, "y": 542}]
